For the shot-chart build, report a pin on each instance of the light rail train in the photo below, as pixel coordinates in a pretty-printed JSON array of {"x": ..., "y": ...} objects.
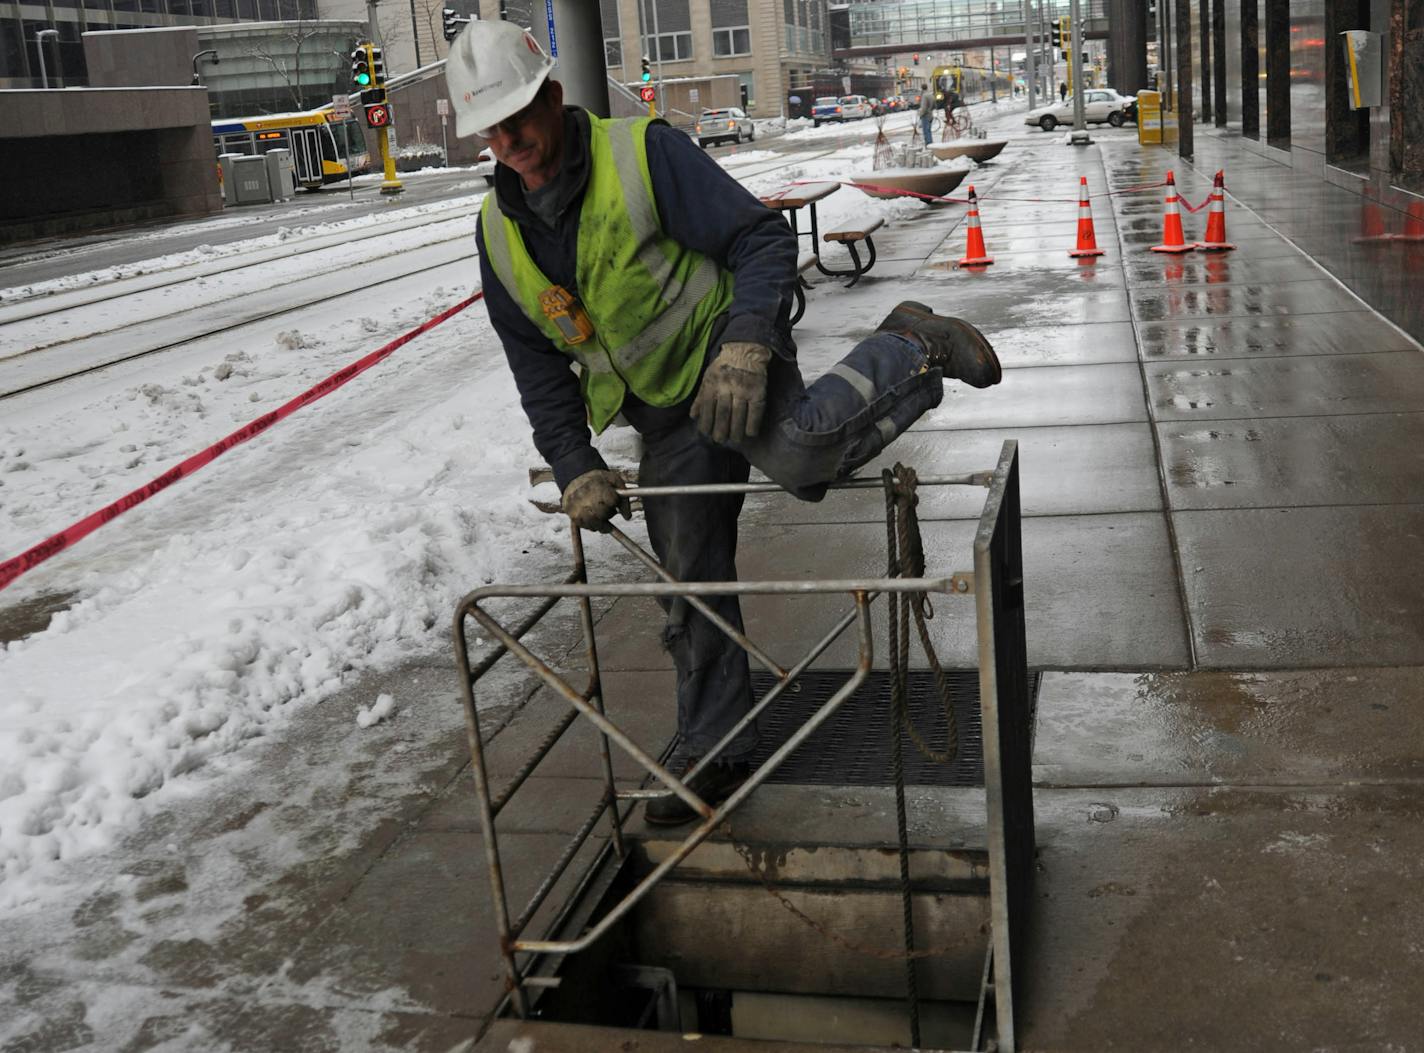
[{"x": 324, "y": 149}]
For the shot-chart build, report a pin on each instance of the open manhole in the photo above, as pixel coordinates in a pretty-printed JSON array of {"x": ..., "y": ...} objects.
[{"x": 853, "y": 747}]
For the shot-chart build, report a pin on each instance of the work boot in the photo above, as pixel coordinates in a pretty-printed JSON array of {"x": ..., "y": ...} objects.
[
  {"x": 714, "y": 785},
  {"x": 952, "y": 345}
]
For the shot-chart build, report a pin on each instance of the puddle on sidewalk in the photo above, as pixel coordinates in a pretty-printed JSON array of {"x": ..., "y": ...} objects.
[{"x": 29, "y": 616}]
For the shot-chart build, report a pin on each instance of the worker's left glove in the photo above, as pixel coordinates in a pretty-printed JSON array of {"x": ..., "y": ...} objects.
[
  {"x": 591, "y": 499},
  {"x": 729, "y": 404}
]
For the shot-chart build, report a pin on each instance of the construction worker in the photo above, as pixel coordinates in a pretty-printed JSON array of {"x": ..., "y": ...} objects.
[{"x": 620, "y": 247}]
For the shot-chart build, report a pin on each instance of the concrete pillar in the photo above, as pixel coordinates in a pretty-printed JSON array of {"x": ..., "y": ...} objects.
[
  {"x": 578, "y": 41},
  {"x": 1127, "y": 45}
]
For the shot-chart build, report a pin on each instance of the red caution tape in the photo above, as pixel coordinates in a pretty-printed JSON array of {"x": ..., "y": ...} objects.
[{"x": 28, "y": 560}]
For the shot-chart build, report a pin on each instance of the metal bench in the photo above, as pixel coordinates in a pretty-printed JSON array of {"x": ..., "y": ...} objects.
[{"x": 850, "y": 237}]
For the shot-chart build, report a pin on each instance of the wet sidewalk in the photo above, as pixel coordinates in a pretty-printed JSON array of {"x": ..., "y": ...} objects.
[{"x": 1222, "y": 543}]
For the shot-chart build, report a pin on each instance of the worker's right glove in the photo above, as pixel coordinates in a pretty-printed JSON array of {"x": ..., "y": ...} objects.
[
  {"x": 591, "y": 499},
  {"x": 729, "y": 404}
]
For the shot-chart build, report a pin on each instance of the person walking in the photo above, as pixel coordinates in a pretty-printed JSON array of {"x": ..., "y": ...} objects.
[
  {"x": 597, "y": 250},
  {"x": 1062, "y": 91},
  {"x": 927, "y": 106}
]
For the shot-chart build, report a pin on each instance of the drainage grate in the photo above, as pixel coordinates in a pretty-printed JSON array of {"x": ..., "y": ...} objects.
[{"x": 853, "y": 747}]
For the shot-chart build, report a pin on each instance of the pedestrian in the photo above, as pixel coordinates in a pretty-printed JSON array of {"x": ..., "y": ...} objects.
[
  {"x": 926, "y": 113},
  {"x": 1062, "y": 91},
  {"x": 597, "y": 249}
]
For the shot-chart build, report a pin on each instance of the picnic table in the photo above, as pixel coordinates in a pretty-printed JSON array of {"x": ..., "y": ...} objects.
[{"x": 791, "y": 199}]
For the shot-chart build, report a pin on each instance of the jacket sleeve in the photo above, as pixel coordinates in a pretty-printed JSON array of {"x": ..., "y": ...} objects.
[
  {"x": 548, "y": 389},
  {"x": 704, "y": 208}
]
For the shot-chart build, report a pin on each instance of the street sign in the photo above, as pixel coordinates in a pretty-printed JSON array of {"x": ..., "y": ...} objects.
[
  {"x": 647, "y": 93},
  {"x": 553, "y": 37},
  {"x": 378, "y": 116},
  {"x": 693, "y": 97},
  {"x": 341, "y": 107},
  {"x": 442, "y": 107}
]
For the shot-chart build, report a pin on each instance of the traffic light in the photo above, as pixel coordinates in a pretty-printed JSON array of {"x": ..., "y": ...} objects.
[
  {"x": 361, "y": 66},
  {"x": 450, "y": 23},
  {"x": 373, "y": 96},
  {"x": 1055, "y": 33},
  {"x": 647, "y": 74},
  {"x": 915, "y": 58},
  {"x": 378, "y": 66}
]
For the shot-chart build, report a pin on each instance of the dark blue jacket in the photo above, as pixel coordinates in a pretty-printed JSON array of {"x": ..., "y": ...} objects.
[{"x": 700, "y": 206}]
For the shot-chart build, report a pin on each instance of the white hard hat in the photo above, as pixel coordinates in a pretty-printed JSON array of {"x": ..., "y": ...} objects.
[{"x": 493, "y": 71}]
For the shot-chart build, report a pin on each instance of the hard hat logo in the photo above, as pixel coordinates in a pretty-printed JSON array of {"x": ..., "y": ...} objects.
[{"x": 490, "y": 76}]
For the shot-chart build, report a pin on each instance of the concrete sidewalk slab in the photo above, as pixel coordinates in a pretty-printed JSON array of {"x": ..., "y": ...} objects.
[
  {"x": 1350, "y": 459},
  {"x": 1343, "y": 333},
  {"x": 1045, "y": 396},
  {"x": 1296, "y": 588},
  {"x": 1062, "y": 345},
  {"x": 1299, "y": 386},
  {"x": 1321, "y": 296}
]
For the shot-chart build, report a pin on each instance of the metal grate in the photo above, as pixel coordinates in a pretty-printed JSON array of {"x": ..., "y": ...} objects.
[{"x": 853, "y": 747}]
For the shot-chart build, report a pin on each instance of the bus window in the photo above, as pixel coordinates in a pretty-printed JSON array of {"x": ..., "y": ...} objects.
[
  {"x": 329, "y": 150},
  {"x": 356, "y": 139}
]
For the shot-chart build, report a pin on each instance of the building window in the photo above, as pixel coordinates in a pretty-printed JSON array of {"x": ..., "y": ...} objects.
[
  {"x": 673, "y": 47},
  {"x": 735, "y": 40},
  {"x": 613, "y": 52},
  {"x": 612, "y": 33},
  {"x": 727, "y": 14}
]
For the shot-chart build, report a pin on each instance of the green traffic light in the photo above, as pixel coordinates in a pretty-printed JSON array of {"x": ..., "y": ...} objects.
[
  {"x": 647, "y": 76},
  {"x": 363, "y": 79}
]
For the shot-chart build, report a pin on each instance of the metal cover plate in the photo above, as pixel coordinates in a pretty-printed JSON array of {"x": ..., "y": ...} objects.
[{"x": 853, "y": 747}]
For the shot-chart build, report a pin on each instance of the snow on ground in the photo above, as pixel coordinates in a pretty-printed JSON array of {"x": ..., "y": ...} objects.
[{"x": 336, "y": 543}]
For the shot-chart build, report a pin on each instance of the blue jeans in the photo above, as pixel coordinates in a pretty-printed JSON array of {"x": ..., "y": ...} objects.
[
  {"x": 809, "y": 437},
  {"x": 925, "y": 120}
]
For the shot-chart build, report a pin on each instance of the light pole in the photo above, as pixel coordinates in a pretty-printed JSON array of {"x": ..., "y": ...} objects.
[
  {"x": 39, "y": 46},
  {"x": 198, "y": 80}
]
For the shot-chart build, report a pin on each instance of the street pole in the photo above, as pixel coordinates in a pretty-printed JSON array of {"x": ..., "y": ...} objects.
[
  {"x": 39, "y": 47},
  {"x": 1075, "y": 66},
  {"x": 373, "y": 24},
  {"x": 658, "y": 43},
  {"x": 1030, "y": 59}
]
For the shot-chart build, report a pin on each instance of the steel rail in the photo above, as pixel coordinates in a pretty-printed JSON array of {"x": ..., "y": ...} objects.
[
  {"x": 243, "y": 259},
  {"x": 193, "y": 338}
]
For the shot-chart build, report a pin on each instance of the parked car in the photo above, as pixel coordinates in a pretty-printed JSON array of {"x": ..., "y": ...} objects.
[
  {"x": 854, "y": 107},
  {"x": 1100, "y": 105},
  {"x": 723, "y": 126},
  {"x": 877, "y": 106},
  {"x": 826, "y": 108},
  {"x": 484, "y": 165}
]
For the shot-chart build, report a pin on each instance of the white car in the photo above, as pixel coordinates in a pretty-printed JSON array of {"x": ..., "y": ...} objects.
[
  {"x": 855, "y": 107},
  {"x": 484, "y": 165},
  {"x": 1100, "y": 105},
  {"x": 723, "y": 126}
]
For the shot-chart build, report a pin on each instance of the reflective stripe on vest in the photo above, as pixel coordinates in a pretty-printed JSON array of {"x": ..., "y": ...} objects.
[{"x": 651, "y": 300}]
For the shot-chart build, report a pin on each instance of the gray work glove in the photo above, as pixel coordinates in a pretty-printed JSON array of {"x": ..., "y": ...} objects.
[
  {"x": 732, "y": 398},
  {"x": 592, "y": 498}
]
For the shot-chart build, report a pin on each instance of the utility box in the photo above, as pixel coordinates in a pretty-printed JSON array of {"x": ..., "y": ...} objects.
[
  {"x": 1149, "y": 117},
  {"x": 1363, "y": 68},
  {"x": 249, "y": 181},
  {"x": 229, "y": 185},
  {"x": 279, "y": 174}
]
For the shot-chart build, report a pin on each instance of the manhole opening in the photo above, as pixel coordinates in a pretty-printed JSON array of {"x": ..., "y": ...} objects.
[{"x": 853, "y": 747}]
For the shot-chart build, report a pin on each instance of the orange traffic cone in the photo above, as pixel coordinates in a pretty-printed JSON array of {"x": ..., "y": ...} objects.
[
  {"x": 1216, "y": 219},
  {"x": 1172, "y": 239},
  {"x": 975, "y": 254},
  {"x": 1087, "y": 242},
  {"x": 1413, "y": 223},
  {"x": 1372, "y": 230}
]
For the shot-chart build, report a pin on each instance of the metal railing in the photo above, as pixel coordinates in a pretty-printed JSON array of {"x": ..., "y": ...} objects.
[{"x": 996, "y": 583}]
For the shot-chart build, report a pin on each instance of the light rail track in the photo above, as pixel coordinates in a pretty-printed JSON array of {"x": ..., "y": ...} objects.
[
  {"x": 163, "y": 277},
  {"x": 38, "y": 379}
]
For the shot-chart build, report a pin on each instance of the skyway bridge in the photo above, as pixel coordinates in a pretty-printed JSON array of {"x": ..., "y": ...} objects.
[{"x": 877, "y": 29}]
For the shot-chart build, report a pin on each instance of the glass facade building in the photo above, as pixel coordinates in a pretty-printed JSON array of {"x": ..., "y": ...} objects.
[{"x": 63, "y": 59}]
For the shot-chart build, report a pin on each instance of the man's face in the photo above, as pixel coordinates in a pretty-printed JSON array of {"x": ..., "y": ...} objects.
[{"x": 531, "y": 141}]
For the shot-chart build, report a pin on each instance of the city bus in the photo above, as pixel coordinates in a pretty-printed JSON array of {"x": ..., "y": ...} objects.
[{"x": 324, "y": 149}]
